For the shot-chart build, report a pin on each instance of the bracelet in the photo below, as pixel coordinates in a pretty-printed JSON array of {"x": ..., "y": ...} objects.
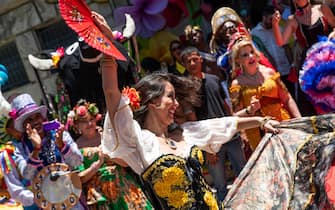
[
  {"x": 264, "y": 120},
  {"x": 247, "y": 111}
]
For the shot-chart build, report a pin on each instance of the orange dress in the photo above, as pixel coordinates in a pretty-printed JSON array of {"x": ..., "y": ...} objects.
[{"x": 271, "y": 103}]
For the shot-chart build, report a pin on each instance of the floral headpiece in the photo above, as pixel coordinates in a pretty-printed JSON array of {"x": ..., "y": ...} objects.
[
  {"x": 81, "y": 110},
  {"x": 134, "y": 97}
]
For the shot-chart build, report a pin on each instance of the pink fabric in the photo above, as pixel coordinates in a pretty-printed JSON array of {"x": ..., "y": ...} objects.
[{"x": 330, "y": 183}]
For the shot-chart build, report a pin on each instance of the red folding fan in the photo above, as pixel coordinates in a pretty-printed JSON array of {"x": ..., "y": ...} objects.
[{"x": 78, "y": 16}]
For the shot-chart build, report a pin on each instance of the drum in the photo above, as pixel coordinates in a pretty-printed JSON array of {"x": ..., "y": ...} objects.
[{"x": 55, "y": 187}]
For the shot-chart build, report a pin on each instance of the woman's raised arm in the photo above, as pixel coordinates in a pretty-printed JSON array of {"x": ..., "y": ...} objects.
[
  {"x": 109, "y": 70},
  {"x": 290, "y": 26},
  {"x": 110, "y": 85}
]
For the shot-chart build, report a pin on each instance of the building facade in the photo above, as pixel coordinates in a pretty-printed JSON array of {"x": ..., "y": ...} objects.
[{"x": 31, "y": 27}]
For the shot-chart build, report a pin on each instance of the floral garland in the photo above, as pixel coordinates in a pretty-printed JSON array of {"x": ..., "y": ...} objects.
[
  {"x": 81, "y": 110},
  {"x": 134, "y": 97}
]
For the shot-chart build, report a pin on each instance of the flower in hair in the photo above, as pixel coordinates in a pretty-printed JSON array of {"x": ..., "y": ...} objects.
[
  {"x": 133, "y": 96},
  {"x": 81, "y": 110}
]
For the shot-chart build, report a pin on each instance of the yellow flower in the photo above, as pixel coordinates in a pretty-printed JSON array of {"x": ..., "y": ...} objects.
[
  {"x": 210, "y": 201},
  {"x": 200, "y": 157},
  {"x": 177, "y": 199},
  {"x": 162, "y": 189},
  {"x": 173, "y": 175}
]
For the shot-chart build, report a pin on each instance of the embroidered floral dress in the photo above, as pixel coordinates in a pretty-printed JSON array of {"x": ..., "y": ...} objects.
[
  {"x": 176, "y": 180},
  {"x": 271, "y": 103},
  {"x": 112, "y": 187}
]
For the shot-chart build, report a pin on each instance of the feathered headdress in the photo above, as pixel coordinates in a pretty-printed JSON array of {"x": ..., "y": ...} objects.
[{"x": 317, "y": 77}]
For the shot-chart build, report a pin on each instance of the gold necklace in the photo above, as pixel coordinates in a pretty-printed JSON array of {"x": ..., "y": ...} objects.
[{"x": 251, "y": 76}]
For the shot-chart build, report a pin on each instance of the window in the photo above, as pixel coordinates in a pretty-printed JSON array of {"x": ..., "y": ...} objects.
[
  {"x": 10, "y": 57},
  {"x": 55, "y": 36}
]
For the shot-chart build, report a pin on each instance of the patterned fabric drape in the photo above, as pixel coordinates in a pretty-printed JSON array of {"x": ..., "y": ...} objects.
[{"x": 288, "y": 170}]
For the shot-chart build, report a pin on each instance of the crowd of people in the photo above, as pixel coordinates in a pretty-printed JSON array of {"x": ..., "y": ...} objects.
[{"x": 228, "y": 102}]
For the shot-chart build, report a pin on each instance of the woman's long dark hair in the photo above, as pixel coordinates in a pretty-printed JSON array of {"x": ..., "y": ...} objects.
[{"x": 152, "y": 87}]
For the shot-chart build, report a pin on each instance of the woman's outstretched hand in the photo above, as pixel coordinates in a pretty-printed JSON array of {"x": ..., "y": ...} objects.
[{"x": 270, "y": 126}]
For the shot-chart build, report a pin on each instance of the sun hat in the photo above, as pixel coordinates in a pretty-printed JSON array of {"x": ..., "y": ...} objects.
[{"x": 24, "y": 106}]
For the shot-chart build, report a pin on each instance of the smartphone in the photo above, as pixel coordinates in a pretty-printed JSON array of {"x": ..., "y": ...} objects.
[{"x": 51, "y": 125}]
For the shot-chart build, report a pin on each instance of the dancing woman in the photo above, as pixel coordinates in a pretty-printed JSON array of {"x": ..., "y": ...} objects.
[{"x": 169, "y": 167}]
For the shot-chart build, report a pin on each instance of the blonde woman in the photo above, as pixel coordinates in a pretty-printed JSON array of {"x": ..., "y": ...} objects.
[{"x": 257, "y": 90}]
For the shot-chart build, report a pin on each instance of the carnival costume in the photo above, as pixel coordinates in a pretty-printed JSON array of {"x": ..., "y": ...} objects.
[
  {"x": 15, "y": 191},
  {"x": 271, "y": 104},
  {"x": 112, "y": 186},
  {"x": 49, "y": 153},
  {"x": 7, "y": 173},
  {"x": 317, "y": 77},
  {"x": 168, "y": 175}
]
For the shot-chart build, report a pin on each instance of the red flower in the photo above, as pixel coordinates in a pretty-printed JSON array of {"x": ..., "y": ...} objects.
[
  {"x": 133, "y": 96},
  {"x": 81, "y": 110}
]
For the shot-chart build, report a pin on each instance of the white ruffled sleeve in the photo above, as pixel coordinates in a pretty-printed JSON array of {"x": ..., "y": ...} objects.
[
  {"x": 210, "y": 134},
  {"x": 120, "y": 139}
]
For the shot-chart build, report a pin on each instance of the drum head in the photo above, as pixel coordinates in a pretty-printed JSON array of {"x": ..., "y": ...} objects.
[{"x": 55, "y": 188}]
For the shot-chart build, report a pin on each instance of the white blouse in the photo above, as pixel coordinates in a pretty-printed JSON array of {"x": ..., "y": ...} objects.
[{"x": 139, "y": 148}]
